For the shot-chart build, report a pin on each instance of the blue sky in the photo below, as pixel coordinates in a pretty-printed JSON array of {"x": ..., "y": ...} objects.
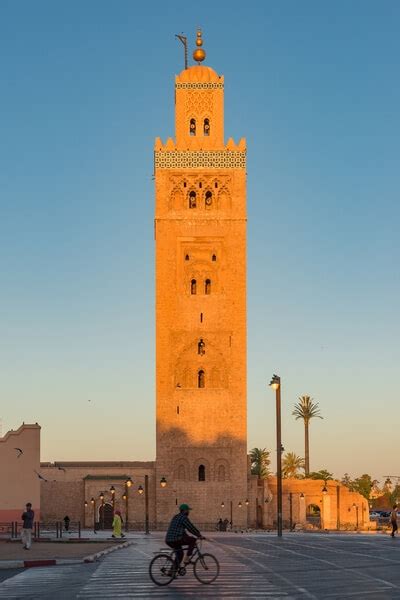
[{"x": 85, "y": 88}]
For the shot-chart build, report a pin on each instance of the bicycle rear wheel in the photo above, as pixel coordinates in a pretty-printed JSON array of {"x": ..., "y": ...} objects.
[
  {"x": 162, "y": 569},
  {"x": 206, "y": 568}
]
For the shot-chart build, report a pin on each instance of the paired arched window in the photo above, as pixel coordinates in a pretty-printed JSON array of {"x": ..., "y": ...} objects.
[
  {"x": 181, "y": 473},
  {"x": 221, "y": 473},
  {"x": 214, "y": 257},
  {"x": 208, "y": 199},
  {"x": 193, "y": 287},
  {"x": 192, "y": 199},
  {"x": 202, "y": 473},
  {"x": 201, "y": 348},
  {"x": 207, "y": 287},
  {"x": 206, "y": 127},
  {"x": 187, "y": 257},
  {"x": 201, "y": 379},
  {"x": 192, "y": 127}
]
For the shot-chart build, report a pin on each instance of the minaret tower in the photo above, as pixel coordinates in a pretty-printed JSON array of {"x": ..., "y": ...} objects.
[{"x": 200, "y": 234}]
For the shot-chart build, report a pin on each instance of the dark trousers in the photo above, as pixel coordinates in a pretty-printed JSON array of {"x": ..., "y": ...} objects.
[
  {"x": 394, "y": 528},
  {"x": 186, "y": 540}
]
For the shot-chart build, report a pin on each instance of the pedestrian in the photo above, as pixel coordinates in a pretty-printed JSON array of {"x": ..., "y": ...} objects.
[
  {"x": 220, "y": 525},
  {"x": 66, "y": 522},
  {"x": 117, "y": 525},
  {"x": 226, "y": 523},
  {"x": 393, "y": 520},
  {"x": 27, "y": 526}
]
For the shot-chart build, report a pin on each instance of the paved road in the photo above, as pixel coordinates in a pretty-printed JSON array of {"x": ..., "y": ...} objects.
[{"x": 298, "y": 567}]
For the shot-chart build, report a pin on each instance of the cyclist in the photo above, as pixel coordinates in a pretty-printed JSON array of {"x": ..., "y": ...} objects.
[{"x": 177, "y": 537}]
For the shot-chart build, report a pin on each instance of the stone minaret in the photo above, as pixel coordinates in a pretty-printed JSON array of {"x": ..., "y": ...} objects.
[{"x": 200, "y": 234}]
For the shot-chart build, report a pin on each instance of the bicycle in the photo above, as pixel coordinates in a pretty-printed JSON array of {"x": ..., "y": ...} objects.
[{"x": 162, "y": 569}]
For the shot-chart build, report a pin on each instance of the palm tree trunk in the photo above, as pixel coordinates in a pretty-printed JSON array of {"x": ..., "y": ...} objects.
[{"x": 306, "y": 450}]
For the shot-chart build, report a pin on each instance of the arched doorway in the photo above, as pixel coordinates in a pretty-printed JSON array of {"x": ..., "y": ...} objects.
[
  {"x": 106, "y": 516},
  {"x": 313, "y": 515}
]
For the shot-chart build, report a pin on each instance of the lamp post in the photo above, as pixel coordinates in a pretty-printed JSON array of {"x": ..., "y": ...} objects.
[
  {"x": 128, "y": 484},
  {"x": 231, "y": 515},
  {"x": 102, "y": 509},
  {"x": 290, "y": 511},
  {"x": 356, "y": 507},
  {"x": 324, "y": 493},
  {"x": 338, "y": 507},
  {"x": 93, "y": 503},
  {"x": 112, "y": 490},
  {"x": 146, "y": 499},
  {"x": 275, "y": 383}
]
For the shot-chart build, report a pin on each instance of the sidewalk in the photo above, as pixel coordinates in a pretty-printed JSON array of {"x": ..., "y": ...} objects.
[{"x": 12, "y": 554}]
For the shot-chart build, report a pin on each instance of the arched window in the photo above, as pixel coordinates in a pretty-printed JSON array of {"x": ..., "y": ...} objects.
[
  {"x": 192, "y": 200},
  {"x": 202, "y": 473},
  {"x": 187, "y": 257},
  {"x": 181, "y": 472},
  {"x": 208, "y": 200},
  {"x": 221, "y": 473},
  {"x": 206, "y": 126},
  {"x": 214, "y": 258},
  {"x": 193, "y": 286},
  {"x": 201, "y": 348},
  {"x": 201, "y": 381},
  {"x": 192, "y": 127},
  {"x": 207, "y": 287}
]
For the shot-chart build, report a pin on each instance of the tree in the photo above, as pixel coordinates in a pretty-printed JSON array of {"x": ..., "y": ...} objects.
[
  {"x": 322, "y": 474},
  {"x": 260, "y": 461},
  {"x": 306, "y": 409},
  {"x": 291, "y": 465},
  {"x": 347, "y": 481},
  {"x": 363, "y": 485}
]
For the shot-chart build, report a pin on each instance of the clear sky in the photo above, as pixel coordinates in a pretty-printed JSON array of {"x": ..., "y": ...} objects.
[{"x": 85, "y": 87}]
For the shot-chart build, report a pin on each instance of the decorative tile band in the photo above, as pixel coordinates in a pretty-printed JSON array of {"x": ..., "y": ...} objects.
[
  {"x": 199, "y": 86},
  {"x": 225, "y": 159}
]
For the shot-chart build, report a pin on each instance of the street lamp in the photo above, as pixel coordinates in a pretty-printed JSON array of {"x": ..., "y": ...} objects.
[
  {"x": 101, "y": 496},
  {"x": 222, "y": 504},
  {"x": 86, "y": 503},
  {"x": 356, "y": 507},
  {"x": 275, "y": 383},
  {"x": 324, "y": 490},
  {"x": 163, "y": 483},
  {"x": 125, "y": 497},
  {"x": 240, "y": 505},
  {"x": 302, "y": 496},
  {"x": 112, "y": 490},
  {"x": 93, "y": 503},
  {"x": 247, "y": 502}
]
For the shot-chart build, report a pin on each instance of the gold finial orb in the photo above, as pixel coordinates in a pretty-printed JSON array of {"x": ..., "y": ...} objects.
[{"x": 199, "y": 54}]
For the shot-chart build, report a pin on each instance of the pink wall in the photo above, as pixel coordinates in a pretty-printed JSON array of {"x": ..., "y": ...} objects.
[{"x": 19, "y": 483}]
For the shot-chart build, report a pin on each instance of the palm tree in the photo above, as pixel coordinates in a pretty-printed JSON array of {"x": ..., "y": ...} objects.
[
  {"x": 260, "y": 461},
  {"x": 306, "y": 409},
  {"x": 291, "y": 464}
]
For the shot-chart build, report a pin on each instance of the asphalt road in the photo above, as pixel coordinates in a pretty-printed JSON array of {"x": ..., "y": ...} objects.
[{"x": 299, "y": 566}]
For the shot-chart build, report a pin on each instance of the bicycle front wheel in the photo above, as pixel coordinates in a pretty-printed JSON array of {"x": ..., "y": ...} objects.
[
  {"x": 162, "y": 569},
  {"x": 206, "y": 568}
]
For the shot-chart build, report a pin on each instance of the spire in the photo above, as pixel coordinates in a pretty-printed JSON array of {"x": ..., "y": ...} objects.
[{"x": 199, "y": 54}]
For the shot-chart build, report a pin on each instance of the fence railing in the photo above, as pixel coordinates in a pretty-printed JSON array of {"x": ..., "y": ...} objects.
[{"x": 46, "y": 529}]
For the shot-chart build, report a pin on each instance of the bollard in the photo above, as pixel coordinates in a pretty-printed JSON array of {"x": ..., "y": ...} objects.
[
  {"x": 79, "y": 529},
  {"x": 60, "y": 529},
  {"x": 57, "y": 529}
]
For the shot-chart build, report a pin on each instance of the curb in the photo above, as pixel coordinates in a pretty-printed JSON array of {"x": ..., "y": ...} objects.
[
  {"x": 47, "y": 562},
  {"x": 94, "y": 557}
]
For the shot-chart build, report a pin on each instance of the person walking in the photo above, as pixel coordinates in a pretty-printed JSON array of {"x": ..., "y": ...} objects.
[
  {"x": 117, "y": 525},
  {"x": 393, "y": 520},
  {"x": 27, "y": 526},
  {"x": 66, "y": 522}
]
